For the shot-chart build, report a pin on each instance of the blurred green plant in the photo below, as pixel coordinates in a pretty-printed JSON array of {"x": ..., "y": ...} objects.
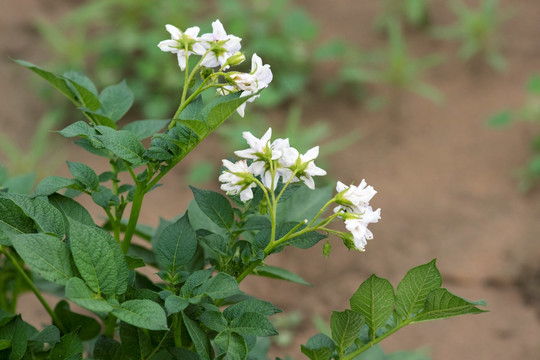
[
  {"x": 477, "y": 30},
  {"x": 529, "y": 174},
  {"x": 395, "y": 68},
  {"x": 411, "y": 12},
  {"x": 22, "y": 166},
  {"x": 284, "y": 35}
]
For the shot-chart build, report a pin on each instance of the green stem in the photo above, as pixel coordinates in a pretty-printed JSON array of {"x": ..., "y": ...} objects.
[
  {"x": 178, "y": 330},
  {"x": 247, "y": 271},
  {"x": 30, "y": 283},
  {"x": 110, "y": 325},
  {"x": 372, "y": 343},
  {"x": 138, "y": 197}
]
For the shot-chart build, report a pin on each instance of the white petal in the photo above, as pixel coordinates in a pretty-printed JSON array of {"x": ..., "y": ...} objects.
[
  {"x": 198, "y": 49},
  {"x": 169, "y": 45},
  {"x": 308, "y": 180},
  {"x": 176, "y": 34},
  {"x": 266, "y": 137},
  {"x": 182, "y": 59},
  {"x": 246, "y": 195},
  {"x": 218, "y": 30},
  {"x": 311, "y": 154},
  {"x": 247, "y": 153},
  {"x": 192, "y": 32}
]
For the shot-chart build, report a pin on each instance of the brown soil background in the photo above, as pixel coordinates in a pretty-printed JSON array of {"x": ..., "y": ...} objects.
[{"x": 445, "y": 184}]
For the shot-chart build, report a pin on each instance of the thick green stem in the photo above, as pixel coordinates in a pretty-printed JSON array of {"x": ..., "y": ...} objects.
[
  {"x": 35, "y": 290},
  {"x": 177, "y": 323},
  {"x": 138, "y": 197},
  {"x": 248, "y": 271}
]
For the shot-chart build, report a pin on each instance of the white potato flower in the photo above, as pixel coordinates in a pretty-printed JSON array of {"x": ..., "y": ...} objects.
[
  {"x": 351, "y": 198},
  {"x": 304, "y": 165},
  {"x": 221, "y": 46},
  {"x": 237, "y": 179},
  {"x": 358, "y": 226},
  {"x": 180, "y": 41}
]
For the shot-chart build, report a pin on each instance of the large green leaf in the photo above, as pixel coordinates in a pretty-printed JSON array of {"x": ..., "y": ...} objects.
[
  {"x": 220, "y": 286},
  {"x": 198, "y": 336},
  {"x": 13, "y": 221},
  {"x": 217, "y": 111},
  {"x": 69, "y": 347},
  {"x": 413, "y": 290},
  {"x": 55, "y": 80},
  {"x": 442, "y": 304},
  {"x": 80, "y": 294},
  {"x": 231, "y": 346},
  {"x": 48, "y": 219},
  {"x": 116, "y": 100},
  {"x": 303, "y": 204},
  {"x": 84, "y": 174},
  {"x": 345, "y": 326},
  {"x": 216, "y": 206},
  {"x": 145, "y": 314},
  {"x": 46, "y": 255},
  {"x": 98, "y": 258},
  {"x": 84, "y": 90},
  {"x": 71, "y": 209},
  {"x": 250, "y": 305},
  {"x": 145, "y": 128},
  {"x": 176, "y": 245},
  {"x": 279, "y": 273},
  {"x": 252, "y": 323},
  {"x": 123, "y": 144},
  {"x": 14, "y": 335},
  {"x": 136, "y": 342},
  {"x": 52, "y": 184},
  {"x": 374, "y": 299}
]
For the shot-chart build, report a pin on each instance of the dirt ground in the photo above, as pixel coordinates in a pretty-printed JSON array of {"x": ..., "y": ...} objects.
[{"x": 445, "y": 184}]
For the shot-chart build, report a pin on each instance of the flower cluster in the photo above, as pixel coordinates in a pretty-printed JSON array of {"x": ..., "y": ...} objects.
[
  {"x": 353, "y": 207},
  {"x": 266, "y": 162},
  {"x": 219, "y": 49},
  {"x": 269, "y": 162}
]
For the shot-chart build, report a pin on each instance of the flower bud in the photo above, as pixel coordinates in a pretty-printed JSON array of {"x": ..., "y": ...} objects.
[
  {"x": 327, "y": 249},
  {"x": 236, "y": 59}
]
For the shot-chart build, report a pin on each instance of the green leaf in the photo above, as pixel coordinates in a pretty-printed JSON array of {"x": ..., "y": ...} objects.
[
  {"x": 279, "y": 273},
  {"x": 5, "y": 317},
  {"x": 252, "y": 323},
  {"x": 145, "y": 314},
  {"x": 318, "y": 347},
  {"x": 413, "y": 290},
  {"x": 220, "y": 286},
  {"x": 136, "y": 342},
  {"x": 104, "y": 197},
  {"x": 195, "y": 280},
  {"x": 231, "y": 346},
  {"x": 345, "y": 326},
  {"x": 198, "y": 336},
  {"x": 374, "y": 299},
  {"x": 13, "y": 221},
  {"x": 123, "y": 144},
  {"x": 50, "y": 335},
  {"x": 55, "y": 80},
  {"x": 84, "y": 90},
  {"x": 52, "y": 184},
  {"x": 216, "y": 206},
  {"x": 304, "y": 241},
  {"x": 303, "y": 204},
  {"x": 80, "y": 294},
  {"x": 86, "y": 327},
  {"x": 250, "y": 305},
  {"x": 174, "y": 304},
  {"x": 500, "y": 119},
  {"x": 79, "y": 128},
  {"x": 213, "y": 320},
  {"x": 84, "y": 174},
  {"x": 442, "y": 304},
  {"x": 98, "y": 258},
  {"x": 46, "y": 255},
  {"x": 176, "y": 245},
  {"x": 69, "y": 345},
  {"x": 21, "y": 184},
  {"x": 116, "y": 100},
  {"x": 14, "y": 335},
  {"x": 71, "y": 209},
  {"x": 48, "y": 219},
  {"x": 107, "y": 348},
  {"x": 216, "y": 112},
  {"x": 146, "y": 128}
]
